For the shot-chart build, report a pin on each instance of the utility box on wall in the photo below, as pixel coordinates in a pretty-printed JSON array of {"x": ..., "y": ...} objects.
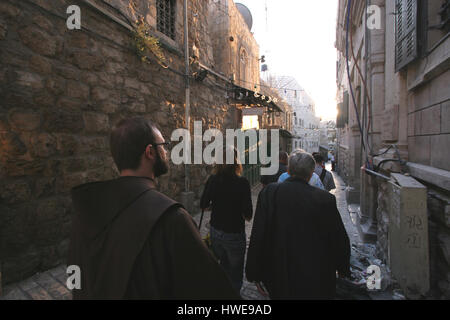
[{"x": 408, "y": 235}]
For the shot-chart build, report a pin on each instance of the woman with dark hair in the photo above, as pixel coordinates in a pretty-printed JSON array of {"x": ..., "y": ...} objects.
[{"x": 229, "y": 196}]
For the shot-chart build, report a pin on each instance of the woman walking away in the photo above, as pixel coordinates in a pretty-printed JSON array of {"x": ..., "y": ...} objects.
[{"x": 229, "y": 196}]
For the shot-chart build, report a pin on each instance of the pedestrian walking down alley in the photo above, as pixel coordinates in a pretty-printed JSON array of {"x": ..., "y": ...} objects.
[
  {"x": 363, "y": 255},
  {"x": 51, "y": 285}
]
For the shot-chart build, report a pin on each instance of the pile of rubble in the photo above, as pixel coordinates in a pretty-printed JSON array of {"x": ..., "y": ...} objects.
[{"x": 356, "y": 287}]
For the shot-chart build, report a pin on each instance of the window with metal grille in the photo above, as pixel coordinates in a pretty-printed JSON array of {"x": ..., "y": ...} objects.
[
  {"x": 406, "y": 31},
  {"x": 166, "y": 17}
]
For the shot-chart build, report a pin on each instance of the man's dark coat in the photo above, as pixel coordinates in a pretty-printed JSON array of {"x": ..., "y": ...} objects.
[
  {"x": 298, "y": 242},
  {"x": 132, "y": 242}
]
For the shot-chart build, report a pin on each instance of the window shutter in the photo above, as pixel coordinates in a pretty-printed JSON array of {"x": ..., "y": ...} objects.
[
  {"x": 345, "y": 108},
  {"x": 339, "y": 122},
  {"x": 406, "y": 46}
]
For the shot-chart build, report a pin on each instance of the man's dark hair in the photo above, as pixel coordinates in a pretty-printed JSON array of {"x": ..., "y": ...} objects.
[
  {"x": 283, "y": 157},
  {"x": 318, "y": 157},
  {"x": 128, "y": 141}
]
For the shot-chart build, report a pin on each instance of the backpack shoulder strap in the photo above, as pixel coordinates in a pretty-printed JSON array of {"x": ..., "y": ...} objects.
[
  {"x": 323, "y": 174},
  {"x": 130, "y": 230}
]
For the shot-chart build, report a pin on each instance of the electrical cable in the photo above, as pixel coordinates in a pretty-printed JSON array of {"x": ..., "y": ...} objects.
[
  {"x": 95, "y": 34},
  {"x": 349, "y": 7},
  {"x": 270, "y": 87},
  {"x": 378, "y": 167},
  {"x": 386, "y": 151},
  {"x": 362, "y": 77}
]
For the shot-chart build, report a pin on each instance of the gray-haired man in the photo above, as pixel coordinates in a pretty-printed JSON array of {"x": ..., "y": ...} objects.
[{"x": 298, "y": 240}]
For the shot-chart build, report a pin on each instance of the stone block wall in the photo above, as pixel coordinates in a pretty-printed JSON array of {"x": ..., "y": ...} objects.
[
  {"x": 231, "y": 37},
  {"x": 439, "y": 232},
  {"x": 438, "y": 204},
  {"x": 382, "y": 215},
  {"x": 429, "y": 123},
  {"x": 61, "y": 92},
  {"x": 343, "y": 162}
]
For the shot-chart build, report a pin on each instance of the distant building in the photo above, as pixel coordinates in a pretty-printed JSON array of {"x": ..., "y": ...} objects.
[
  {"x": 327, "y": 135},
  {"x": 305, "y": 123},
  {"x": 281, "y": 120}
]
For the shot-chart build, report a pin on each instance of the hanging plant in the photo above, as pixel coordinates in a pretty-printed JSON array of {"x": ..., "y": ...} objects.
[{"x": 147, "y": 45}]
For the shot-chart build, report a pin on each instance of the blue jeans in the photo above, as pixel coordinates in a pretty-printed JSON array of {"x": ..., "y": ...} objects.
[{"x": 229, "y": 248}]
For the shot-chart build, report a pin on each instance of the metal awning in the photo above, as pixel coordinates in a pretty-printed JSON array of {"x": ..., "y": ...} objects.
[
  {"x": 286, "y": 134},
  {"x": 247, "y": 97}
]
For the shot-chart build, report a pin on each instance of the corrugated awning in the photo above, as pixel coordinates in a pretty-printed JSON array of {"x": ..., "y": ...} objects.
[
  {"x": 247, "y": 97},
  {"x": 286, "y": 134}
]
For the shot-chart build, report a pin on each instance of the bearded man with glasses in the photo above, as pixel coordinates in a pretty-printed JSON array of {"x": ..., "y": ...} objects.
[{"x": 133, "y": 242}]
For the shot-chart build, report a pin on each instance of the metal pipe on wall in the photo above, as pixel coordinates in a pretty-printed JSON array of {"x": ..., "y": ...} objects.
[
  {"x": 373, "y": 173},
  {"x": 188, "y": 90}
]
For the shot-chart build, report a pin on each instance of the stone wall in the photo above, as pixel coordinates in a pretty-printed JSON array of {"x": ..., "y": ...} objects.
[
  {"x": 231, "y": 37},
  {"x": 438, "y": 204},
  {"x": 410, "y": 109},
  {"x": 429, "y": 123},
  {"x": 439, "y": 232},
  {"x": 61, "y": 92},
  {"x": 382, "y": 214}
]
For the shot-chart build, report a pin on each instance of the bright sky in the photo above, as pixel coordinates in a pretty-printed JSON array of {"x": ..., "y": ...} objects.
[{"x": 299, "y": 42}]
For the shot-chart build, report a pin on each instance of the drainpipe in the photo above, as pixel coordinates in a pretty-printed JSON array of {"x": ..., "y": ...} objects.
[
  {"x": 188, "y": 90},
  {"x": 187, "y": 197}
]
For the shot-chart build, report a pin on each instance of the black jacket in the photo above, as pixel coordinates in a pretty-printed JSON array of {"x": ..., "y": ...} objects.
[
  {"x": 298, "y": 242},
  {"x": 231, "y": 200},
  {"x": 132, "y": 242}
]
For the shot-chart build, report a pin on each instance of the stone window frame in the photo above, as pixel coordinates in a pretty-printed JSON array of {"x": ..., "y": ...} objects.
[
  {"x": 166, "y": 42},
  {"x": 174, "y": 45},
  {"x": 406, "y": 32},
  {"x": 162, "y": 6},
  {"x": 243, "y": 66},
  {"x": 433, "y": 57},
  {"x": 433, "y": 30}
]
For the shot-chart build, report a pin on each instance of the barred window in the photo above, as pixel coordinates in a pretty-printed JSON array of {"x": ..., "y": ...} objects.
[
  {"x": 342, "y": 118},
  {"x": 166, "y": 17}
]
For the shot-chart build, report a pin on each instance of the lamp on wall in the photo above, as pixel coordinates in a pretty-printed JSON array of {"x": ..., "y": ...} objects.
[{"x": 201, "y": 75}]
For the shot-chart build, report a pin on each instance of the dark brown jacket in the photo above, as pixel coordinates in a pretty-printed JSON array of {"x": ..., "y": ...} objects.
[{"x": 132, "y": 242}]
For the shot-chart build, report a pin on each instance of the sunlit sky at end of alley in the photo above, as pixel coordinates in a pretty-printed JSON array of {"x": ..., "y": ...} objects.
[{"x": 298, "y": 40}]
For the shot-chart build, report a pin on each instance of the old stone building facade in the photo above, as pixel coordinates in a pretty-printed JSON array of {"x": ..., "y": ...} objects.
[
  {"x": 397, "y": 120},
  {"x": 305, "y": 122},
  {"x": 61, "y": 91}
]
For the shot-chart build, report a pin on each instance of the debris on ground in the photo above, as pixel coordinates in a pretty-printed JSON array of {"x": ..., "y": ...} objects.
[{"x": 356, "y": 288}]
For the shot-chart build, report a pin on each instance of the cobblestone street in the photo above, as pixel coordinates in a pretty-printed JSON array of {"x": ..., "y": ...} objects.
[{"x": 50, "y": 285}]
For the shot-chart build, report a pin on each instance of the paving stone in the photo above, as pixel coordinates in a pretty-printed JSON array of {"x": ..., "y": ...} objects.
[
  {"x": 58, "y": 271},
  {"x": 62, "y": 278},
  {"x": 45, "y": 280},
  {"x": 13, "y": 292},
  {"x": 39, "y": 293},
  {"x": 28, "y": 284},
  {"x": 58, "y": 291}
]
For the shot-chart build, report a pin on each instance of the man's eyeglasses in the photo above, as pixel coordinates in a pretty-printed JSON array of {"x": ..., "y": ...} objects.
[{"x": 165, "y": 144}]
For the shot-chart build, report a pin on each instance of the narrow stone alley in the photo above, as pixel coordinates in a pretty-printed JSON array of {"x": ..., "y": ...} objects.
[{"x": 51, "y": 285}]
